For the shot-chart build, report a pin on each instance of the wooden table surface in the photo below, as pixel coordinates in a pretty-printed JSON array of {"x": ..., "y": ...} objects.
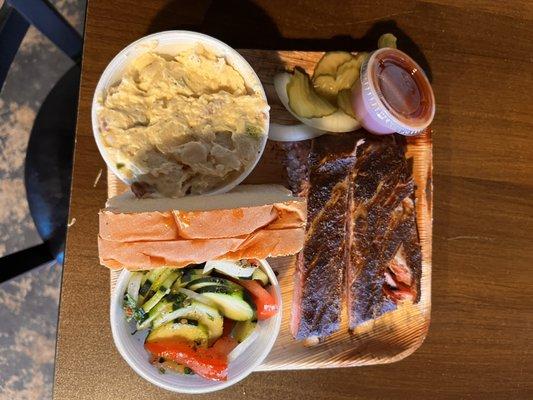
[{"x": 479, "y": 57}]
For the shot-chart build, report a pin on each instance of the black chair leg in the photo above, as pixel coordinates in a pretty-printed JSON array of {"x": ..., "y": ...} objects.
[{"x": 22, "y": 261}]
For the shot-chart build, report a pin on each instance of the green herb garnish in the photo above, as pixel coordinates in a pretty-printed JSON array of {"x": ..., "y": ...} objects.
[
  {"x": 131, "y": 309},
  {"x": 254, "y": 131}
]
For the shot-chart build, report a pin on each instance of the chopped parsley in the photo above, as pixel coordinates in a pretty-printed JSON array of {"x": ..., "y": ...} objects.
[
  {"x": 254, "y": 131},
  {"x": 132, "y": 311}
]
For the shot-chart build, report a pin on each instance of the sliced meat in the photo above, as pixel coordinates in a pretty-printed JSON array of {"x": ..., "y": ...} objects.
[
  {"x": 318, "y": 289},
  {"x": 383, "y": 245},
  {"x": 296, "y": 163}
]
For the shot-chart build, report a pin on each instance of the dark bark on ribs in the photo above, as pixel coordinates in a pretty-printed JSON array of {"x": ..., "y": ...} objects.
[
  {"x": 382, "y": 226},
  {"x": 318, "y": 289}
]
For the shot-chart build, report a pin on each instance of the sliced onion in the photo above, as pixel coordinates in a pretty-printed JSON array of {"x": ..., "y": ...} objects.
[
  {"x": 237, "y": 351},
  {"x": 336, "y": 122},
  {"x": 198, "y": 297},
  {"x": 292, "y": 133},
  {"x": 134, "y": 285},
  {"x": 230, "y": 268}
]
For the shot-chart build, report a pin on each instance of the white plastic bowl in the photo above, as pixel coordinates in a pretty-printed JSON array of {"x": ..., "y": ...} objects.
[
  {"x": 171, "y": 43},
  {"x": 132, "y": 350}
]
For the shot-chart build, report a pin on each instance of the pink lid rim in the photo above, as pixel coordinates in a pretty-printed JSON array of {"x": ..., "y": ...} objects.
[{"x": 383, "y": 115}]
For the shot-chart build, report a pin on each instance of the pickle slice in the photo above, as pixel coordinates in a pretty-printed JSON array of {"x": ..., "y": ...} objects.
[
  {"x": 345, "y": 76},
  {"x": 303, "y": 99},
  {"x": 339, "y": 121},
  {"x": 326, "y": 86},
  {"x": 330, "y": 61},
  {"x": 344, "y": 100},
  {"x": 348, "y": 73}
]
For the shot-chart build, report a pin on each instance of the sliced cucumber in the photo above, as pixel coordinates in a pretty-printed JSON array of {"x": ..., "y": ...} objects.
[
  {"x": 146, "y": 283},
  {"x": 152, "y": 276},
  {"x": 156, "y": 297},
  {"x": 154, "y": 273},
  {"x": 303, "y": 100},
  {"x": 197, "y": 297},
  {"x": 344, "y": 100},
  {"x": 330, "y": 62},
  {"x": 162, "y": 291},
  {"x": 192, "y": 274},
  {"x": 259, "y": 275},
  {"x": 184, "y": 281},
  {"x": 243, "y": 329},
  {"x": 205, "y": 315},
  {"x": 175, "y": 330},
  {"x": 166, "y": 305},
  {"x": 145, "y": 276},
  {"x": 231, "y": 305},
  {"x": 159, "y": 281},
  {"x": 221, "y": 289},
  {"x": 160, "y": 309},
  {"x": 212, "y": 281}
]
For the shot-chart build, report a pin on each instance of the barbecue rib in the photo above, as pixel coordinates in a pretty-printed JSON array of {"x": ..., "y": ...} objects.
[
  {"x": 361, "y": 226},
  {"x": 383, "y": 245},
  {"x": 318, "y": 288}
]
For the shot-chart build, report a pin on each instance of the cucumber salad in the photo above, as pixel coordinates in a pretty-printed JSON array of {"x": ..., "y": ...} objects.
[{"x": 201, "y": 317}]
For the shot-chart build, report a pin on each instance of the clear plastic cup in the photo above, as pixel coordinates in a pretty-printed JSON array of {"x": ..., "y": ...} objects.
[{"x": 393, "y": 94}]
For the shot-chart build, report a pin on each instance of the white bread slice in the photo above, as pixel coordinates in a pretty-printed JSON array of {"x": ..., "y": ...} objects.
[
  {"x": 263, "y": 243},
  {"x": 239, "y": 212},
  {"x": 240, "y": 196},
  {"x": 251, "y": 221}
]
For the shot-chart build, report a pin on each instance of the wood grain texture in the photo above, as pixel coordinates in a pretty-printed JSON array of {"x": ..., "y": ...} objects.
[{"x": 479, "y": 56}]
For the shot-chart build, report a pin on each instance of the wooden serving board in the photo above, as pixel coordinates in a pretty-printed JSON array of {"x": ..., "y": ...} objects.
[{"x": 387, "y": 339}]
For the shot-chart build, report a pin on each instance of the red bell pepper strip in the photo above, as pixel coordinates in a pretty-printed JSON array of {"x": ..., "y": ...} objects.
[
  {"x": 206, "y": 362},
  {"x": 228, "y": 327},
  {"x": 265, "y": 302},
  {"x": 225, "y": 344}
]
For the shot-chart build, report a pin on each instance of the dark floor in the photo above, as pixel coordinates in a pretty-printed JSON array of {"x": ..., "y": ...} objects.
[{"x": 28, "y": 304}]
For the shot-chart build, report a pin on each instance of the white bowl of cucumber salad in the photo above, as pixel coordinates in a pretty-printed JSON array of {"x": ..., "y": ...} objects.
[{"x": 197, "y": 329}]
